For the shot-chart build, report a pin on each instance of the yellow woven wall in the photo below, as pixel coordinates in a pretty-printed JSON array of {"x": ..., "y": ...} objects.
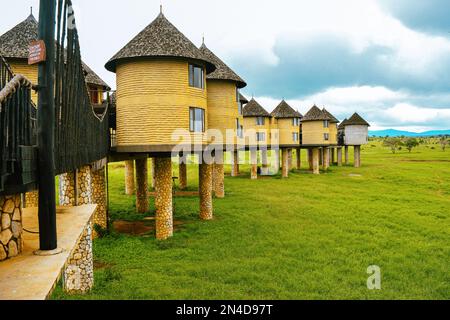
[
  {"x": 313, "y": 133},
  {"x": 250, "y": 124},
  {"x": 333, "y": 133},
  {"x": 30, "y": 72},
  {"x": 286, "y": 130},
  {"x": 153, "y": 100}
]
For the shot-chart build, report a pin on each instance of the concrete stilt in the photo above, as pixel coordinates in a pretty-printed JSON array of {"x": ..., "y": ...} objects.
[
  {"x": 142, "y": 203},
  {"x": 310, "y": 158},
  {"x": 290, "y": 159},
  {"x": 163, "y": 198},
  {"x": 339, "y": 156},
  {"x": 205, "y": 190},
  {"x": 326, "y": 158},
  {"x": 182, "y": 173},
  {"x": 130, "y": 188},
  {"x": 315, "y": 160},
  {"x": 235, "y": 164},
  {"x": 277, "y": 160},
  {"x": 254, "y": 164},
  {"x": 321, "y": 156},
  {"x": 99, "y": 198},
  {"x": 264, "y": 162},
  {"x": 285, "y": 162},
  {"x": 219, "y": 176},
  {"x": 299, "y": 158},
  {"x": 357, "y": 155},
  {"x": 333, "y": 156},
  {"x": 346, "y": 156}
]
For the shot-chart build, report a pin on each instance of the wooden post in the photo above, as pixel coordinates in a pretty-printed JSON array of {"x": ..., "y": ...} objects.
[
  {"x": 163, "y": 198},
  {"x": 142, "y": 203},
  {"x": 182, "y": 170},
  {"x": 46, "y": 129},
  {"x": 205, "y": 190},
  {"x": 357, "y": 155},
  {"x": 339, "y": 156},
  {"x": 299, "y": 158},
  {"x": 130, "y": 187},
  {"x": 315, "y": 160},
  {"x": 254, "y": 164},
  {"x": 346, "y": 155},
  {"x": 285, "y": 163}
]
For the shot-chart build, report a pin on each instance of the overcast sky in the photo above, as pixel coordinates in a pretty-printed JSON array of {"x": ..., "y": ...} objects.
[{"x": 387, "y": 59}]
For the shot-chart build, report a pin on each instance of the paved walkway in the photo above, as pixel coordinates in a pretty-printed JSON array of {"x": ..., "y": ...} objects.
[{"x": 31, "y": 277}]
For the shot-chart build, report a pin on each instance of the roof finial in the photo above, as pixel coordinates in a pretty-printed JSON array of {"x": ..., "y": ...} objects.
[
  {"x": 31, "y": 10},
  {"x": 160, "y": 8},
  {"x": 203, "y": 38}
]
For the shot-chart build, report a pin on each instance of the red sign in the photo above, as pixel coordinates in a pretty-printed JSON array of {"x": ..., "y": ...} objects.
[{"x": 37, "y": 52}]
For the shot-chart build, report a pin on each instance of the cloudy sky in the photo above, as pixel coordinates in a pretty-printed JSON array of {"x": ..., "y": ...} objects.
[{"x": 387, "y": 59}]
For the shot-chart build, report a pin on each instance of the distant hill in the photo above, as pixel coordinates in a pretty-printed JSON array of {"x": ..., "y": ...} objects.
[{"x": 398, "y": 133}]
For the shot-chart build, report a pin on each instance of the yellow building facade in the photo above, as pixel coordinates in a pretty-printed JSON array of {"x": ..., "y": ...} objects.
[
  {"x": 318, "y": 128},
  {"x": 257, "y": 126},
  {"x": 287, "y": 121}
]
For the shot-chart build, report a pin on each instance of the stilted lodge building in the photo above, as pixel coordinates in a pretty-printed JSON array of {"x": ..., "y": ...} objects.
[
  {"x": 355, "y": 131},
  {"x": 257, "y": 125},
  {"x": 316, "y": 128},
  {"x": 287, "y": 121}
]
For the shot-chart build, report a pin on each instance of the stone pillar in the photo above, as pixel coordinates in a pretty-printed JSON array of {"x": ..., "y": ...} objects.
[
  {"x": 182, "y": 173},
  {"x": 346, "y": 155},
  {"x": 163, "y": 198},
  {"x": 339, "y": 156},
  {"x": 333, "y": 156},
  {"x": 84, "y": 184},
  {"x": 254, "y": 164},
  {"x": 285, "y": 162},
  {"x": 310, "y": 159},
  {"x": 299, "y": 158},
  {"x": 152, "y": 172},
  {"x": 130, "y": 187},
  {"x": 67, "y": 189},
  {"x": 31, "y": 199},
  {"x": 277, "y": 160},
  {"x": 205, "y": 190},
  {"x": 11, "y": 242},
  {"x": 326, "y": 158},
  {"x": 235, "y": 164},
  {"x": 290, "y": 159},
  {"x": 320, "y": 156},
  {"x": 78, "y": 276},
  {"x": 142, "y": 203},
  {"x": 219, "y": 176},
  {"x": 99, "y": 198},
  {"x": 315, "y": 160},
  {"x": 357, "y": 155},
  {"x": 264, "y": 162}
]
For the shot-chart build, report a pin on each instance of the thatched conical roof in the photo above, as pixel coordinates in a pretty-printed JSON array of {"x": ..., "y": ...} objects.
[
  {"x": 160, "y": 39},
  {"x": 242, "y": 98},
  {"x": 333, "y": 119},
  {"x": 342, "y": 124},
  {"x": 222, "y": 72},
  {"x": 356, "y": 120},
  {"x": 284, "y": 110},
  {"x": 254, "y": 109},
  {"x": 15, "y": 42},
  {"x": 315, "y": 114}
]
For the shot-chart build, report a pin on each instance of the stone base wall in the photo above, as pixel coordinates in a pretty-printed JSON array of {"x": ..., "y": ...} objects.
[
  {"x": 31, "y": 199},
  {"x": 67, "y": 189},
  {"x": 11, "y": 241},
  {"x": 84, "y": 185},
  {"x": 99, "y": 197},
  {"x": 78, "y": 275},
  {"x": 163, "y": 198}
]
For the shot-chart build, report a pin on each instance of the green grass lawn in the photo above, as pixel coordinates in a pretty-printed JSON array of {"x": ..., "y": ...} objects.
[{"x": 306, "y": 237}]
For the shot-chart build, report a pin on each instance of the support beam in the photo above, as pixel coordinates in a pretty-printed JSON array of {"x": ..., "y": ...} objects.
[
  {"x": 205, "y": 190},
  {"x": 163, "y": 198},
  {"x": 285, "y": 163},
  {"x": 299, "y": 158},
  {"x": 315, "y": 160},
  {"x": 142, "y": 203},
  {"x": 254, "y": 164},
  {"x": 339, "y": 156},
  {"x": 326, "y": 158},
  {"x": 219, "y": 176},
  {"x": 346, "y": 156},
  {"x": 235, "y": 164},
  {"x": 130, "y": 187},
  {"x": 182, "y": 173},
  {"x": 357, "y": 155}
]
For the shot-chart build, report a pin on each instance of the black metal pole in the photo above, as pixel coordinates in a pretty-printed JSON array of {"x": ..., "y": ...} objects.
[{"x": 46, "y": 129}]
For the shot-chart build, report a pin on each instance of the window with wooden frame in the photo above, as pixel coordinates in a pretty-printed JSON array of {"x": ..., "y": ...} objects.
[
  {"x": 196, "y": 119},
  {"x": 196, "y": 76},
  {"x": 326, "y": 123},
  {"x": 326, "y": 136},
  {"x": 260, "y": 136},
  {"x": 260, "y": 121},
  {"x": 295, "y": 136},
  {"x": 296, "y": 122}
]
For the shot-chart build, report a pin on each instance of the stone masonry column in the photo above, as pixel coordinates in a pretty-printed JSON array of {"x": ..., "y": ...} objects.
[
  {"x": 152, "y": 172},
  {"x": 99, "y": 198},
  {"x": 290, "y": 159},
  {"x": 235, "y": 163},
  {"x": 285, "y": 162},
  {"x": 357, "y": 155},
  {"x": 310, "y": 158},
  {"x": 182, "y": 173},
  {"x": 333, "y": 156},
  {"x": 84, "y": 184},
  {"x": 321, "y": 156},
  {"x": 219, "y": 176},
  {"x": 142, "y": 203},
  {"x": 163, "y": 198},
  {"x": 130, "y": 187},
  {"x": 67, "y": 189},
  {"x": 277, "y": 160},
  {"x": 254, "y": 164},
  {"x": 265, "y": 162},
  {"x": 205, "y": 190},
  {"x": 78, "y": 276},
  {"x": 315, "y": 160},
  {"x": 346, "y": 155},
  {"x": 299, "y": 158},
  {"x": 11, "y": 242},
  {"x": 31, "y": 199},
  {"x": 326, "y": 158},
  {"x": 339, "y": 156}
]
